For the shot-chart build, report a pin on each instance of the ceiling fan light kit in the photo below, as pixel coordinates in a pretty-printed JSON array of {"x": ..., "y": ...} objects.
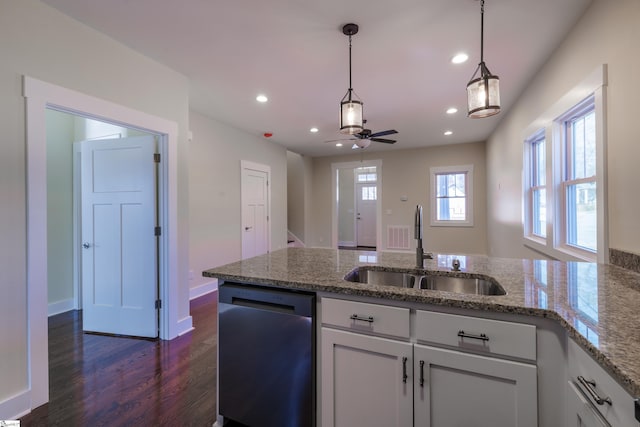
[
  {"x": 351, "y": 116},
  {"x": 483, "y": 92}
]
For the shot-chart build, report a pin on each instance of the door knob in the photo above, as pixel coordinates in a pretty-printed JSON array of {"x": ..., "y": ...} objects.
[
  {"x": 86, "y": 245},
  {"x": 247, "y": 228}
]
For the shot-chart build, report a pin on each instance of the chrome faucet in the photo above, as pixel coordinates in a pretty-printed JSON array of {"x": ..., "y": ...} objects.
[{"x": 420, "y": 254}]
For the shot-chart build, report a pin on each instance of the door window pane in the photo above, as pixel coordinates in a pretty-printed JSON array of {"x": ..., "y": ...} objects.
[{"x": 369, "y": 193}]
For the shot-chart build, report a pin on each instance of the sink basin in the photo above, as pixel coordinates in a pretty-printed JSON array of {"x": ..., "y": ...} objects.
[
  {"x": 435, "y": 282},
  {"x": 462, "y": 285},
  {"x": 377, "y": 277}
]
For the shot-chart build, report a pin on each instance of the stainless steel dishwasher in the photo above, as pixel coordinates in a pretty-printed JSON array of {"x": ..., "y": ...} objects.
[{"x": 266, "y": 356}]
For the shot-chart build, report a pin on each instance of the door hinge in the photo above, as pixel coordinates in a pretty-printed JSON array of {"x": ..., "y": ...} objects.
[
  {"x": 158, "y": 304},
  {"x": 267, "y": 217},
  {"x": 158, "y": 231},
  {"x": 156, "y": 157}
]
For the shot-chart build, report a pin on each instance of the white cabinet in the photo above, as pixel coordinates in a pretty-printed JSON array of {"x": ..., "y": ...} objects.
[
  {"x": 373, "y": 373},
  {"x": 453, "y": 388},
  {"x": 580, "y": 412},
  {"x": 594, "y": 398},
  {"x": 366, "y": 381}
]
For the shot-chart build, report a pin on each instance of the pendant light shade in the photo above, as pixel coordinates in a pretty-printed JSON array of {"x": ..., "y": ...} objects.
[
  {"x": 483, "y": 91},
  {"x": 350, "y": 114},
  {"x": 350, "y": 107}
]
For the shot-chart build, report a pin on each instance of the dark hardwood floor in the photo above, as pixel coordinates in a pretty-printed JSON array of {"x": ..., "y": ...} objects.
[{"x": 98, "y": 380}]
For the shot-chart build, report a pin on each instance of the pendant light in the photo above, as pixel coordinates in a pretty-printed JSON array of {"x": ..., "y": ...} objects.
[
  {"x": 350, "y": 106},
  {"x": 483, "y": 92}
]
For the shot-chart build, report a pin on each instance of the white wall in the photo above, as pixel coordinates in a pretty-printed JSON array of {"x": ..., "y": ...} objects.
[
  {"x": 214, "y": 192},
  {"x": 38, "y": 41},
  {"x": 406, "y": 173},
  {"x": 608, "y": 33}
]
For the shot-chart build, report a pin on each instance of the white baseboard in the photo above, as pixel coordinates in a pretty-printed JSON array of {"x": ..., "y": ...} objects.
[
  {"x": 203, "y": 289},
  {"x": 16, "y": 406},
  {"x": 185, "y": 325},
  {"x": 60, "y": 306}
]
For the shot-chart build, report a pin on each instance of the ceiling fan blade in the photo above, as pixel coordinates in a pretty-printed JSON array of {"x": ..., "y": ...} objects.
[
  {"x": 340, "y": 139},
  {"x": 386, "y": 141},
  {"x": 383, "y": 133}
]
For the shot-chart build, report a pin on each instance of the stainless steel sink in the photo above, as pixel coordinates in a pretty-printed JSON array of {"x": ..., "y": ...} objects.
[
  {"x": 461, "y": 285},
  {"x": 387, "y": 278},
  {"x": 436, "y": 282}
]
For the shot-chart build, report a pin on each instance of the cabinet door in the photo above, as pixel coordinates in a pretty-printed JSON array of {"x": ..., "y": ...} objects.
[
  {"x": 366, "y": 381},
  {"x": 460, "y": 389},
  {"x": 580, "y": 412}
]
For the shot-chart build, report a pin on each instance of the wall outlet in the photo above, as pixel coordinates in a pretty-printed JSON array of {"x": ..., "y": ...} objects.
[{"x": 190, "y": 274}]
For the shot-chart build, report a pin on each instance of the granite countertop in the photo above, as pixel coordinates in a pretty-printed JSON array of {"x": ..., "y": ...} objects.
[{"x": 595, "y": 303}]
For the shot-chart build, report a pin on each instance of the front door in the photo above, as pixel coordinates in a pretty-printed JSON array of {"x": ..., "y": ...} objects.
[
  {"x": 119, "y": 255},
  {"x": 255, "y": 210}
]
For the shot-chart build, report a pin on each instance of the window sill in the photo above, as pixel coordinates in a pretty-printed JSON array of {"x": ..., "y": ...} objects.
[
  {"x": 558, "y": 253},
  {"x": 451, "y": 224}
]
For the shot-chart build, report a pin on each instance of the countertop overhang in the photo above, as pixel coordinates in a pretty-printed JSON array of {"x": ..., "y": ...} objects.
[{"x": 596, "y": 303}]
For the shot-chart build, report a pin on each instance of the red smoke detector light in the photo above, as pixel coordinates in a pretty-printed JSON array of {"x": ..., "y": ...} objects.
[{"x": 267, "y": 134}]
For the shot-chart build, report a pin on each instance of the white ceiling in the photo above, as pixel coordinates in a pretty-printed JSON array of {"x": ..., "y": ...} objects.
[{"x": 294, "y": 51}]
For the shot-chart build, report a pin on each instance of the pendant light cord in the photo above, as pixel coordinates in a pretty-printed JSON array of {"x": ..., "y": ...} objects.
[
  {"x": 481, "y": 31},
  {"x": 350, "y": 88}
]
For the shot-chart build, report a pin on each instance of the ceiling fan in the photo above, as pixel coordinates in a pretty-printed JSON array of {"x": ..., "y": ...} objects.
[{"x": 363, "y": 138}]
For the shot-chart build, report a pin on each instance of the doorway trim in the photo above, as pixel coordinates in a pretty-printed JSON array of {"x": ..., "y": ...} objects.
[
  {"x": 334, "y": 198},
  {"x": 39, "y": 96}
]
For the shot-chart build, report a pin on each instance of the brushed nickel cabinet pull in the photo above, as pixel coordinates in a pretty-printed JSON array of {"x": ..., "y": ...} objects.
[
  {"x": 482, "y": 337},
  {"x": 590, "y": 386},
  {"x": 361, "y": 318},
  {"x": 404, "y": 370}
]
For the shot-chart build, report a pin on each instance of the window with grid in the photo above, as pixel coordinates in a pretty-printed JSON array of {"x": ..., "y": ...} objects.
[
  {"x": 369, "y": 193},
  {"x": 536, "y": 198},
  {"x": 579, "y": 178},
  {"x": 366, "y": 174},
  {"x": 565, "y": 171},
  {"x": 451, "y": 202}
]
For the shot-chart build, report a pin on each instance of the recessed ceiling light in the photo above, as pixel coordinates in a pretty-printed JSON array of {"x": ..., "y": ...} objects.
[
  {"x": 262, "y": 98},
  {"x": 313, "y": 130},
  {"x": 448, "y": 132},
  {"x": 459, "y": 58},
  {"x": 452, "y": 110},
  {"x": 339, "y": 144}
]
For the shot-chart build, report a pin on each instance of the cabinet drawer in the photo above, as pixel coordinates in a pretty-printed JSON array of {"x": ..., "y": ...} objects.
[
  {"x": 621, "y": 410},
  {"x": 486, "y": 335},
  {"x": 364, "y": 317}
]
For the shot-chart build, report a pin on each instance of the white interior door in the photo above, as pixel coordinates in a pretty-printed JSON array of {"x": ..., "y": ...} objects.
[
  {"x": 366, "y": 206},
  {"x": 119, "y": 256},
  {"x": 255, "y": 210}
]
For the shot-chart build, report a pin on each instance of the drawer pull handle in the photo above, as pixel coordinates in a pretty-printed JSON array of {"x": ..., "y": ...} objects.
[
  {"x": 422, "y": 373},
  {"x": 482, "y": 337},
  {"x": 590, "y": 385},
  {"x": 361, "y": 318},
  {"x": 404, "y": 370}
]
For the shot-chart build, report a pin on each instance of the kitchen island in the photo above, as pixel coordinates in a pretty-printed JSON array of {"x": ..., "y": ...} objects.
[{"x": 595, "y": 304}]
